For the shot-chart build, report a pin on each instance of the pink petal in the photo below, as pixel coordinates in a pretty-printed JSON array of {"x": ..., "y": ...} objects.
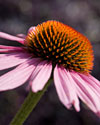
[
  {"x": 38, "y": 68},
  {"x": 10, "y": 60},
  {"x": 10, "y": 37},
  {"x": 65, "y": 89},
  {"x": 40, "y": 76},
  {"x": 75, "y": 96},
  {"x": 18, "y": 76},
  {"x": 86, "y": 94},
  {"x": 10, "y": 50},
  {"x": 21, "y": 35},
  {"x": 94, "y": 80},
  {"x": 32, "y": 29},
  {"x": 9, "y": 47},
  {"x": 92, "y": 83},
  {"x": 4, "y": 48}
]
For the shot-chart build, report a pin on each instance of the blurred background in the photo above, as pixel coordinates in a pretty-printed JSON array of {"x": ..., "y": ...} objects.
[{"x": 17, "y": 16}]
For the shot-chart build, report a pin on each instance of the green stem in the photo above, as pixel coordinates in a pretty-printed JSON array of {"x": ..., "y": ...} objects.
[{"x": 28, "y": 105}]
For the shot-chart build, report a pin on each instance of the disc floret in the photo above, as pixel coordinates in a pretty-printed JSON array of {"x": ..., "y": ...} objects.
[{"x": 61, "y": 44}]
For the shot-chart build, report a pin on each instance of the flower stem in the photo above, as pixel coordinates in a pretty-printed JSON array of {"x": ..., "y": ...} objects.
[{"x": 28, "y": 105}]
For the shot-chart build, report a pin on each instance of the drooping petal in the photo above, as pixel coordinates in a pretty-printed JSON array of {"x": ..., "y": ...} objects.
[
  {"x": 18, "y": 76},
  {"x": 11, "y": 37},
  {"x": 94, "y": 80},
  {"x": 40, "y": 76},
  {"x": 9, "y": 47},
  {"x": 4, "y": 48},
  {"x": 65, "y": 89},
  {"x": 75, "y": 96},
  {"x": 10, "y": 50},
  {"x": 94, "y": 84},
  {"x": 86, "y": 93},
  {"x": 13, "y": 59}
]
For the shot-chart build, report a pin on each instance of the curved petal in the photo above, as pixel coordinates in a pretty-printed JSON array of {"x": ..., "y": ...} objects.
[
  {"x": 93, "y": 84},
  {"x": 97, "y": 82},
  {"x": 32, "y": 28},
  {"x": 65, "y": 89},
  {"x": 4, "y": 48},
  {"x": 40, "y": 76},
  {"x": 10, "y": 47},
  {"x": 10, "y": 50},
  {"x": 21, "y": 35},
  {"x": 18, "y": 76},
  {"x": 10, "y": 37},
  {"x": 86, "y": 93},
  {"x": 12, "y": 59}
]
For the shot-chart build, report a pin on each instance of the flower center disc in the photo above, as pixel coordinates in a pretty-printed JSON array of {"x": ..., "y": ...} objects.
[{"x": 62, "y": 45}]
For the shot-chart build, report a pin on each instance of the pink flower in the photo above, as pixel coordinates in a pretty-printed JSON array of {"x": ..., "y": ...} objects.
[{"x": 52, "y": 47}]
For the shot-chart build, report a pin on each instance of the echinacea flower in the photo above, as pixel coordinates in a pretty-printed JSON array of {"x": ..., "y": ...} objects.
[{"x": 52, "y": 47}]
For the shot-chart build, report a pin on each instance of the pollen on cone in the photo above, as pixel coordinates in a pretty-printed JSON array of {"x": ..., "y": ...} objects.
[{"x": 61, "y": 44}]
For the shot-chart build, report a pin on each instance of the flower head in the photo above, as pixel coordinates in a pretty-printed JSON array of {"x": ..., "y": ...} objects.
[
  {"x": 62, "y": 45},
  {"x": 52, "y": 44}
]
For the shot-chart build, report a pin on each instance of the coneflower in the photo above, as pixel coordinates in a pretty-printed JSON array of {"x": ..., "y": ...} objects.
[{"x": 52, "y": 47}]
